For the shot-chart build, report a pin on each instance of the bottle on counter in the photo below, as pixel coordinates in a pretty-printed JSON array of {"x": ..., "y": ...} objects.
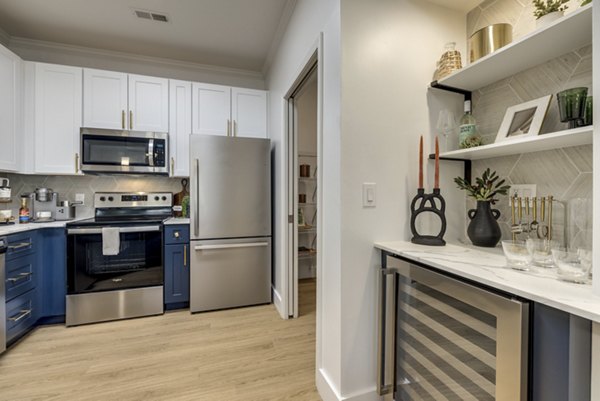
[
  {"x": 24, "y": 212},
  {"x": 468, "y": 136}
]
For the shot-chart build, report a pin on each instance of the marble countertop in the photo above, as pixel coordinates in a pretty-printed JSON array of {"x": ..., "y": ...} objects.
[{"x": 488, "y": 267}]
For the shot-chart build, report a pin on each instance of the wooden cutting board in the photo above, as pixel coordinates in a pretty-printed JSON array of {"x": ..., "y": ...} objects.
[{"x": 178, "y": 197}]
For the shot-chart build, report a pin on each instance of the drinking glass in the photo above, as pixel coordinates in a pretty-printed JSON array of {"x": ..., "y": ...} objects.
[{"x": 447, "y": 126}]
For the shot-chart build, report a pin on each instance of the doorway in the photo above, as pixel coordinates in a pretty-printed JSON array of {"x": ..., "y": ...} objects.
[{"x": 303, "y": 197}]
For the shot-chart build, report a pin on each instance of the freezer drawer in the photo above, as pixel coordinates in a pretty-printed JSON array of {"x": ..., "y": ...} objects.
[{"x": 230, "y": 273}]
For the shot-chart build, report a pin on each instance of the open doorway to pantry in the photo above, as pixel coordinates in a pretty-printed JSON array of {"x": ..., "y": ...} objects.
[{"x": 303, "y": 190}]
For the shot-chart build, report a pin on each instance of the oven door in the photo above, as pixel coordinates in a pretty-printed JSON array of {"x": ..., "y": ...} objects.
[
  {"x": 123, "y": 151},
  {"x": 138, "y": 264}
]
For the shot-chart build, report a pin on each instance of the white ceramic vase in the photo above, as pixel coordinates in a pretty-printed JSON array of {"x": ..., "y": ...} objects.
[{"x": 548, "y": 19}]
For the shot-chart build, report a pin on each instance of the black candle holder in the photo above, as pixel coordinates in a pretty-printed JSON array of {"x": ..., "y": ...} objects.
[{"x": 427, "y": 204}]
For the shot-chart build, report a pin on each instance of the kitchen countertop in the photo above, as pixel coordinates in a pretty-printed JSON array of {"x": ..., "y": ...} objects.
[
  {"x": 488, "y": 267},
  {"x": 18, "y": 228},
  {"x": 176, "y": 220}
]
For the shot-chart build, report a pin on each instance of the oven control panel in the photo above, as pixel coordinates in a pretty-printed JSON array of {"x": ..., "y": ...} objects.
[{"x": 135, "y": 199}]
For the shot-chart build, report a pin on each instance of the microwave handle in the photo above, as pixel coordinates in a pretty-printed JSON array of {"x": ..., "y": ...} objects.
[{"x": 151, "y": 152}]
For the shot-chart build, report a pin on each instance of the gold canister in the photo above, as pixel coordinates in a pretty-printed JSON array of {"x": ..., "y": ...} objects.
[{"x": 489, "y": 39}]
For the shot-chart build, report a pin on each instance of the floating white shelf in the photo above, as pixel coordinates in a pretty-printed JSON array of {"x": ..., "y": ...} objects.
[
  {"x": 562, "y": 36},
  {"x": 555, "y": 140}
]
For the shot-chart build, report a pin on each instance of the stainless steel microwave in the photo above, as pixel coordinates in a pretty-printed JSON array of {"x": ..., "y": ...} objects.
[{"x": 116, "y": 151}]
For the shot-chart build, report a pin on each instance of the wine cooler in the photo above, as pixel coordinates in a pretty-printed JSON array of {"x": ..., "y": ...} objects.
[{"x": 443, "y": 339}]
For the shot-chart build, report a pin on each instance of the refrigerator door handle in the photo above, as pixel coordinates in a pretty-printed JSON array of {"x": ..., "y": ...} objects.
[
  {"x": 228, "y": 246},
  {"x": 197, "y": 203},
  {"x": 386, "y": 338}
]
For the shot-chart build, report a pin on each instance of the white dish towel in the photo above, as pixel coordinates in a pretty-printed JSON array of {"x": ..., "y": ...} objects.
[{"x": 111, "y": 241}]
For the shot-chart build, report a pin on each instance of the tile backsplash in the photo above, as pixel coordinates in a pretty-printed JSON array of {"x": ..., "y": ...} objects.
[
  {"x": 68, "y": 186},
  {"x": 564, "y": 173}
]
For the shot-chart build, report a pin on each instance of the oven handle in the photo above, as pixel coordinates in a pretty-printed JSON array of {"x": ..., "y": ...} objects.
[{"x": 138, "y": 229}]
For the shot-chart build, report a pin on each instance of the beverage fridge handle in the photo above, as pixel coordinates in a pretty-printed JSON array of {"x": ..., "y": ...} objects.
[
  {"x": 386, "y": 332},
  {"x": 197, "y": 201}
]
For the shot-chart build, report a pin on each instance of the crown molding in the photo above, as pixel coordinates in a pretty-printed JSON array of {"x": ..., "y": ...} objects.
[
  {"x": 4, "y": 37},
  {"x": 20, "y": 42},
  {"x": 286, "y": 15}
]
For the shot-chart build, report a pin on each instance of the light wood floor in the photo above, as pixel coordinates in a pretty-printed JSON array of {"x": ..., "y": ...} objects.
[{"x": 239, "y": 354}]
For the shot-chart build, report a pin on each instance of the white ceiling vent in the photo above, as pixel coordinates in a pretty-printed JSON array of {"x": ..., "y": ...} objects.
[{"x": 151, "y": 15}]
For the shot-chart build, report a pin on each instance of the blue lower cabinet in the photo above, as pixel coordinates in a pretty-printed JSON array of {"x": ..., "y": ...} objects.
[
  {"x": 177, "y": 275},
  {"x": 21, "y": 315},
  {"x": 52, "y": 260},
  {"x": 21, "y": 275}
]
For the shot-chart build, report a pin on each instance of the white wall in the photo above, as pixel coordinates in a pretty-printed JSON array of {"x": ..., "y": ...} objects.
[
  {"x": 306, "y": 106},
  {"x": 389, "y": 53},
  {"x": 310, "y": 19},
  {"x": 596, "y": 177},
  {"x": 56, "y": 53}
]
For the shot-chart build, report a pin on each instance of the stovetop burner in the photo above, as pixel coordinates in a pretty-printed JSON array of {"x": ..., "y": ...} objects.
[{"x": 120, "y": 209}]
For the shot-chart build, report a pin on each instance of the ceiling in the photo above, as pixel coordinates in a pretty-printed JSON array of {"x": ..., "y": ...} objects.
[{"x": 228, "y": 33}]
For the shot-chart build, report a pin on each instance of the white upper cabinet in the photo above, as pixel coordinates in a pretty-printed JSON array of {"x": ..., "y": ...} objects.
[
  {"x": 10, "y": 108},
  {"x": 104, "y": 99},
  {"x": 148, "y": 103},
  {"x": 249, "y": 113},
  {"x": 57, "y": 118},
  {"x": 211, "y": 109},
  {"x": 116, "y": 100},
  {"x": 222, "y": 110},
  {"x": 180, "y": 126}
]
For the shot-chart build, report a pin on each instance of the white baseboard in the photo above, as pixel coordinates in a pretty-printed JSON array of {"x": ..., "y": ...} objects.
[
  {"x": 329, "y": 392},
  {"x": 278, "y": 302}
]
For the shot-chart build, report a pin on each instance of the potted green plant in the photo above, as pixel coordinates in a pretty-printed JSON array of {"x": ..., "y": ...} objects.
[
  {"x": 548, "y": 11},
  {"x": 483, "y": 228}
]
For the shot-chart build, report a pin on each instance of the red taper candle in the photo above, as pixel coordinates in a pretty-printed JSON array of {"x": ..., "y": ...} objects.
[
  {"x": 436, "y": 184},
  {"x": 421, "y": 162}
]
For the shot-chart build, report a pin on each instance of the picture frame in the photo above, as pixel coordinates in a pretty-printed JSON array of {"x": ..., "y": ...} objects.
[{"x": 524, "y": 120}]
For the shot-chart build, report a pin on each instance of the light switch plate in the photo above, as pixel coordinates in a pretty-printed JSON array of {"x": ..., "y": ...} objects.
[{"x": 369, "y": 194}]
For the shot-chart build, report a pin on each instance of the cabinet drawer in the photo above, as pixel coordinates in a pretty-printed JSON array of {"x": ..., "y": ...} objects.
[
  {"x": 20, "y": 276},
  {"x": 177, "y": 234},
  {"x": 20, "y": 315},
  {"x": 21, "y": 244}
]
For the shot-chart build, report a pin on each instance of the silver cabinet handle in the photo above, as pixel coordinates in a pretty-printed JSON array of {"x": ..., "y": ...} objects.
[
  {"x": 77, "y": 162},
  {"x": 123, "y": 119},
  {"x": 138, "y": 229},
  {"x": 22, "y": 313},
  {"x": 185, "y": 256},
  {"x": 197, "y": 202},
  {"x": 20, "y": 277},
  {"x": 130, "y": 119},
  {"x": 235, "y": 128},
  {"x": 19, "y": 246},
  {"x": 386, "y": 336},
  {"x": 228, "y": 128},
  {"x": 172, "y": 165},
  {"x": 229, "y": 246}
]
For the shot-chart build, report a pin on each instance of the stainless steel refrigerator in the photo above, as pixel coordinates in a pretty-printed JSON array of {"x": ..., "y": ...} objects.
[{"x": 230, "y": 222}]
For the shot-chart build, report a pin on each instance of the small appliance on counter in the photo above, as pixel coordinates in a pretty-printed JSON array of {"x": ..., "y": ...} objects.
[
  {"x": 5, "y": 190},
  {"x": 45, "y": 207}
]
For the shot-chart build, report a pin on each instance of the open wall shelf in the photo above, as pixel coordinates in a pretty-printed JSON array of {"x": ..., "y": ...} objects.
[
  {"x": 555, "y": 140},
  {"x": 562, "y": 36}
]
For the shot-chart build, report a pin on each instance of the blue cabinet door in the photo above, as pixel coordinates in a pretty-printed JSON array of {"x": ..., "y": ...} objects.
[
  {"x": 53, "y": 265},
  {"x": 177, "y": 274}
]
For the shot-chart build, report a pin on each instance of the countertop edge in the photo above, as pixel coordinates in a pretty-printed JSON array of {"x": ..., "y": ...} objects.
[{"x": 576, "y": 306}]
